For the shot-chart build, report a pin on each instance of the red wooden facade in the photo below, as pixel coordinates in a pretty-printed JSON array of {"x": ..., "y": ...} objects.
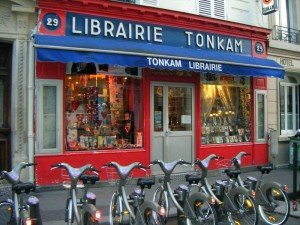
[{"x": 111, "y": 9}]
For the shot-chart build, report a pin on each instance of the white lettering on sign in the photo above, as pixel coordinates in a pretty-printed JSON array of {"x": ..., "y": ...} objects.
[
  {"x": 164, "y": 62},
  {"x": 214, "y": 42},
  {"x": 286, "y": 62},
  {"x": 117, "y": 30},
  {"x": 131, "y": 31},
  {"x": 205, "y": 66}
]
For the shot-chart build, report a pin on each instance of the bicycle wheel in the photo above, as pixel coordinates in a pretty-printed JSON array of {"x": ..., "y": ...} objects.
[
  {"x": 160, "y": 197},
  {"x": 150, "y": 214},
  {"x": 88, "y": 219},
  {"x": 277, "y": 208},
  {"x": 117, "y": 213},
  {"x": 69, "y": 217},
  {"x": 244, "y": 209},
  {"x": 205, "y": 212},
  {"x": 6, "y": 213}
]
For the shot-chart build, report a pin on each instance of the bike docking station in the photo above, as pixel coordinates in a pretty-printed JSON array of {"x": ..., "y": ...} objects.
[{"x": 295, "y": 143}]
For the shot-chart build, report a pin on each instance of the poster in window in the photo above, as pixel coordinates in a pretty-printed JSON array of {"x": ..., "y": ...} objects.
[{"x": 157, "y": 120}]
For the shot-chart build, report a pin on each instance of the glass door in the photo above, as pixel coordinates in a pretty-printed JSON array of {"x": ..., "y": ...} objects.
[{"x": 172, "y": 117}]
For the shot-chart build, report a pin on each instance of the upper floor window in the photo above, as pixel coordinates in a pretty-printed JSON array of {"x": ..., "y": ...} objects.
[
  {"x": 289, "y": 106},
  {"x": 286, "y": 13},
  {"x": 149, "y": 2},
  {"x": 212, "y": 8},
  {"x": 286, "y": 22}
]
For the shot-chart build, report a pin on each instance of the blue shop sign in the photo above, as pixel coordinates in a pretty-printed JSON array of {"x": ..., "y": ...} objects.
[{"x": 101, "y": 28}]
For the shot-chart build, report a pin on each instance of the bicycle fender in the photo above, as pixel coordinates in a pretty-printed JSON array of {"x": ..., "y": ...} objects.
[
  {"x": 24, "y": 214},
  {"x": 260, "y": 195},
  {"x": 146, "y": 204},
  {"x": 90, "y": 208},
  {"x": 200, "y": 195},
  {"x": 188, "y": 208},
  {"x": 233, "y": 192}
]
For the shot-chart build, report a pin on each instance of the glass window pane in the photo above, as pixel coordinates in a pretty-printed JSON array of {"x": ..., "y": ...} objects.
[
  {"x": 225, "y": 114},
  {"x": 49, "y": 117},
  {"x": 297, "y": 109},
  {"x": 104, "y": 112},
  {"x": 289, "y": 104},
  {"x": 260, "y": 116},
  {"x": 282, "y": 108},
  {"x": 180, "y": 108},
  {"x": 158, "y": 108},
  {"x": 1, "y": 103}
]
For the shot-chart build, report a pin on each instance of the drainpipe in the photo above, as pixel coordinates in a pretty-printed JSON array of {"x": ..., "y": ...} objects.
[{"x": 30, "y": 100}]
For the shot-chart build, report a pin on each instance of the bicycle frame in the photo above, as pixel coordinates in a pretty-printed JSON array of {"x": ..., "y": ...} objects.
[
  {"x": 183, "y": 206},
  {"x": 227, "y": 192},
  {"x": 73, "y": 204},
  {"x": 21, "y": 210},
  {"x": 136, "y": 199}
]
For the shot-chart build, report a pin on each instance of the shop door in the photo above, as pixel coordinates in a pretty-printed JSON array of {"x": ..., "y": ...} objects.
[
  {"x": 5, "y": 90},
  {"x": 172, "y": 123}
]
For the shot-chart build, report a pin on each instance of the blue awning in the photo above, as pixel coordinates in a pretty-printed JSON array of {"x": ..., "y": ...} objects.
[{"x": 133, "y": 54}]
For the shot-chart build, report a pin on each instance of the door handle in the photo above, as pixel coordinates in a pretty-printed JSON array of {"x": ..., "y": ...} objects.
[{"x": 168, "y": 133}]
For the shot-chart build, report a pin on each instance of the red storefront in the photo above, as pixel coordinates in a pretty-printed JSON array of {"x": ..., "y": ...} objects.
[{"x": 123, "y": 82}]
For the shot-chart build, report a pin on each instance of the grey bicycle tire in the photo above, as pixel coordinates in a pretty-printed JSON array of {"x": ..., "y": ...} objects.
[
  {"x": 268, "y": 214},
  {"x": 6, "y": 213},
  {"x": 116, "y": 210},
  {"x": 157, "y": 197},
  {"x": 69, "y": 213},
  {"x": 150, "y": 214},
  {"x": 203, "y": 209},
  {"x": 243, "y": 205},
  {"x": 88, "y": 219}
]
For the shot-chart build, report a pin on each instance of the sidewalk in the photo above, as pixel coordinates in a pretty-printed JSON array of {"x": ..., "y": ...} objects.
[{"x": 52, "y": 202}]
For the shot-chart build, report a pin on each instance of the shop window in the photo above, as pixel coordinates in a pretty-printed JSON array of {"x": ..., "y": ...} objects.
[
  {"x": 49, "y": 118},
  {"x": 104, "y": 110},
  {"x": 289, "y": 106},
  {"x": 260, "y": 115},
  {"x": 225, "y": 109}
]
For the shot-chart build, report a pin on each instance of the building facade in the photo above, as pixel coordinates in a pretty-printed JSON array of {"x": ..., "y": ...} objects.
[
  {"x": 138, "y": 80},
  {"x": 284, "y": 47},
  {"x": 127, "y": 82},
  {"x": 17, "y": 22}
]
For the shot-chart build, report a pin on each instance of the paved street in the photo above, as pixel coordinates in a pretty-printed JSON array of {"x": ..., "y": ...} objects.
[{"x": 52, "y": 202}]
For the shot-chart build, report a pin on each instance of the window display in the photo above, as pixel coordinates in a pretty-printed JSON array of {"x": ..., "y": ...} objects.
[
  {"x": 225, "y": 109},
  {"x": 102, "y": 111}
]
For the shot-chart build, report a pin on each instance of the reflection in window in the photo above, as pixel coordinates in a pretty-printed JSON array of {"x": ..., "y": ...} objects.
[
  {"x": 49, "y": 117},
  {"x": 158, "y": 108},
  {"x": 104, "y": 112},
  {"x": 180, "y": 108},
  {"x": 260, "y": 116},
  {"x": 289, "y": 108},
  {"x": 1, "y": 103},
  {"x": 225, "y": 114}
]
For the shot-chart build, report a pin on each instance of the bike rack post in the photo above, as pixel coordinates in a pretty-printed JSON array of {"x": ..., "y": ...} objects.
[
  {"x": 34, "y": 205},
  {"x": 295, "y": 168}
]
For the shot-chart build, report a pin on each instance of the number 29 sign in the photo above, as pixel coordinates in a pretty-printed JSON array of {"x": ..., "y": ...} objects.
[{"x": 52, "y": 23}]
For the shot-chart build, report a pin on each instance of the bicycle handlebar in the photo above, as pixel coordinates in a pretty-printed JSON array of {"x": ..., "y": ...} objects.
[
  {"x": 13, "y": 176},
  {"x": 75, "y": 173},
  {"x": 237, "y": 160},
  {"x": 167, "y": 168},
  {"x": 124, "y": 171}
]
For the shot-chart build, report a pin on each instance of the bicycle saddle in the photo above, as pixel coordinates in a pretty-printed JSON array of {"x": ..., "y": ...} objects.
[
  {"x": 89, "y": 178},
  {"x": 265, "y": 169},
  {"x": 146, "y": 182},
  {"x": 232, "y": 173},
  {"x": 192, "y": 179},
  {"x": 26, "y": 187}
]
